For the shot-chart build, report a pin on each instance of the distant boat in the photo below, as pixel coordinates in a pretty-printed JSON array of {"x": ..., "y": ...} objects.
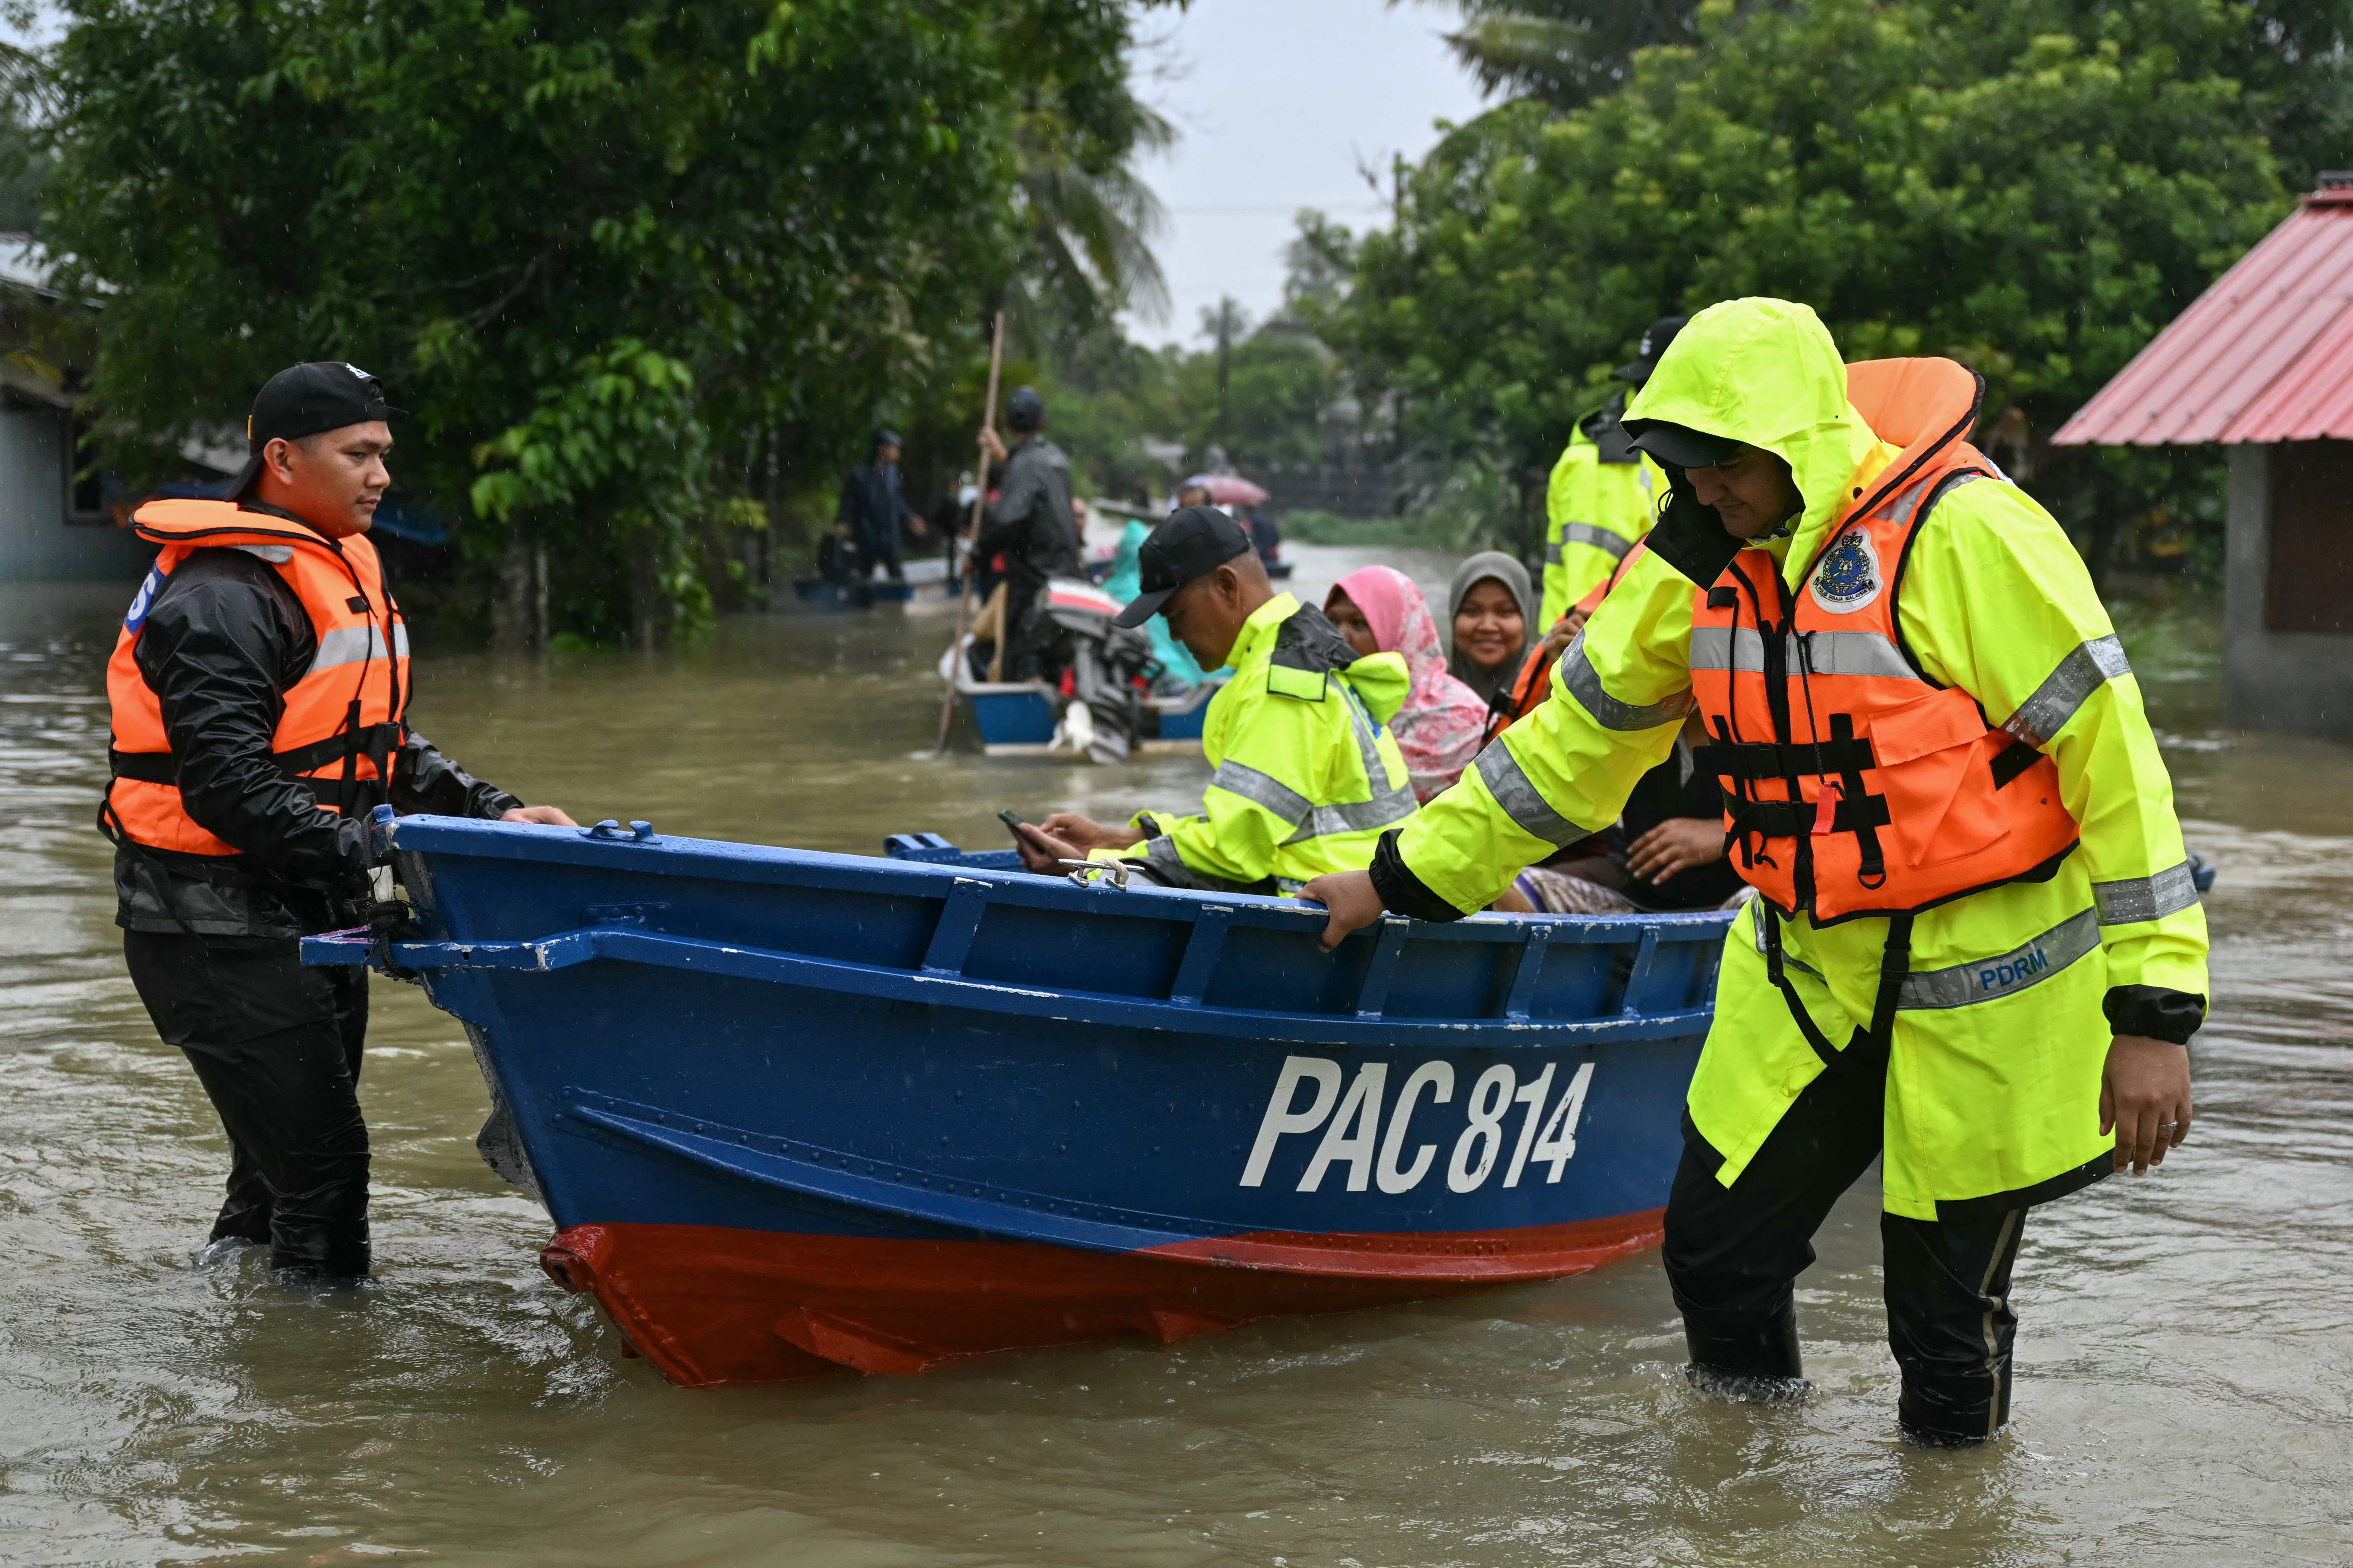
[
  {"x": 794, "y": 1111},
  {"x": 926, "y": 579},
  {"x": 1016, "y": 719},
  {"x": 1020, "y": 718}
]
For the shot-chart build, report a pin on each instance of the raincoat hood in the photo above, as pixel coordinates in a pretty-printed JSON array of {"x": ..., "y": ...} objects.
[
  {"x": 1765, "y": 374},
  {"x": 1382, "y": 680}
]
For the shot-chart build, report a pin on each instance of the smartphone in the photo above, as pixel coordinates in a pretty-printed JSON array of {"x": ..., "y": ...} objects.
[{"x": 1013, "y": 823}]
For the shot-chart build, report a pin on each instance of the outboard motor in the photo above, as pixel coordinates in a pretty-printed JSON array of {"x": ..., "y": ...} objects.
[{"x": 1106, "y": 663}]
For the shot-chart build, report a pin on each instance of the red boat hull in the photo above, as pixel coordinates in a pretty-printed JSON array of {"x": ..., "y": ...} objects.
[{"x": 711, "y": 1306}]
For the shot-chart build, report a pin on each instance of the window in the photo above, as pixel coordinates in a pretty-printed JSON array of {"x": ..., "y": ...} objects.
[{"x": 2311, "y": 587}]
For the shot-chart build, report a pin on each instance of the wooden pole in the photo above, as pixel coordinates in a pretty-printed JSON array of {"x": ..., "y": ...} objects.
[{"x": 979, "y": 505}]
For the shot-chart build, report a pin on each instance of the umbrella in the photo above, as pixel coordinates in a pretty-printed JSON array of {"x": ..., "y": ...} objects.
[{"x": 1230, "y": 490}]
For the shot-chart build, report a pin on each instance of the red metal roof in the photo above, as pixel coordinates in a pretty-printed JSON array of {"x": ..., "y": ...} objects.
[{"x": 2264, "y": 355}]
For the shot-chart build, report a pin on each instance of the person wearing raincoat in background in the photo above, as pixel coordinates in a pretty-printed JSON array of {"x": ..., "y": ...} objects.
[
  {"x": 1125, "y": 582},
  {"x": 1976, "y": 950},
  {"x": 1304, "y": 774},
  {"x": 1603, "y": 493}
]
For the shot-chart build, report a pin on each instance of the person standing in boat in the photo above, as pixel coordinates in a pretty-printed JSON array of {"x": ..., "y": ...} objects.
[
  {"x": 874, "y": 507},
  {"x": 1976, "y": 953},
  {"x": 1305, "y": 775},
  {"x": 1603, "y": 494},
  {"x": 1031, "y": 523},
  {"x": 259, "y": 691}
]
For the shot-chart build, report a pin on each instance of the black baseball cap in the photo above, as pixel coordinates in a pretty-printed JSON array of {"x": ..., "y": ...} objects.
[
  {"x": 324, "y": 394},
  {"x": 1680, "y": 446},
  {"x": 1193, "y": 541},
  {"x": 1654, "y": 342}
]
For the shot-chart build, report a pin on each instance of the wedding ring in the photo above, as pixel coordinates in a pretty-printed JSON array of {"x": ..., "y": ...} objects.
[{"x": 2166, "y": 1126}]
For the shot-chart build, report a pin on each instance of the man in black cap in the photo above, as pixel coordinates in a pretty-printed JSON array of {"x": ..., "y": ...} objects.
[
  {"x": 1601, "y": 498},
  {"x": 875, "y": 505},
  {"x": 1031, "y": 524},
  {"x": 258, "y": 694},
  {"x": 1305, "y": 774}
]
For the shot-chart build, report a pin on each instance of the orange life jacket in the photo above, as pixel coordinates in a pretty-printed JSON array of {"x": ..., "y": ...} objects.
[
  {"x": 1854, "y": 784},
  {"x": 341, "y": 722}
]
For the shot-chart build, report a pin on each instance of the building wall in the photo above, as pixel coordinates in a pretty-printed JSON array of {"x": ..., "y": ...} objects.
[
  {"x": 2276, "y": 680},
  {"x": 37, "y": 545}
]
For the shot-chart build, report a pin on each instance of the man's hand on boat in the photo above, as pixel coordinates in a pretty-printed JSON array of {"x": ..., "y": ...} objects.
[
  {"x": 1067, "y": 835},
  {"x": 1348, "y": 901},
  {"x": 547, "y": 815}
]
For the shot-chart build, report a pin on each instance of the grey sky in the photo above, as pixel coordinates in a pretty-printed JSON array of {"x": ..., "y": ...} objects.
[{"x": 1277, "y": 100}]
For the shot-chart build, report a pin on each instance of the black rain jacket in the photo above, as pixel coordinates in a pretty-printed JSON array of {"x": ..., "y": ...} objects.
[
  {"x": 223, "y": 642},
  {"x": 1030, "y": 521}
]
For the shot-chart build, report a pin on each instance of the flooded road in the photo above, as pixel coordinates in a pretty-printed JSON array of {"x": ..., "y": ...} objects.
[{"x": 2185, "y": 1355}]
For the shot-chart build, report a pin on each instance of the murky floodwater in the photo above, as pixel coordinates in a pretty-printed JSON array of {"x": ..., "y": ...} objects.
[{"x": 2186, "y": 1358}]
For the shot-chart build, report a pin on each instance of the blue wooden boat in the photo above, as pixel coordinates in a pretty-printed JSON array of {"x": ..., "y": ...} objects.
[
  {"x": 792, "y": 1111},
  {"x": 1016, "y": 719}
]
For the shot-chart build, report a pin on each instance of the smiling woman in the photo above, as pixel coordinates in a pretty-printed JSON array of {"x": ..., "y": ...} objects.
[{"x": 1488, "y": 611}]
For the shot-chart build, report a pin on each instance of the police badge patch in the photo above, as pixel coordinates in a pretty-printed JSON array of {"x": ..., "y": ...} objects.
[{"x": 1847, "y": 576}]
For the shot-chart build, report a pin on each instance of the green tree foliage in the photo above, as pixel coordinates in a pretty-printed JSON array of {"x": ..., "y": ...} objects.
[
  {"x": 634, "y": 258},
  {"x": 1257, "y": 401},
  {"x": 2034, "y": 187}
]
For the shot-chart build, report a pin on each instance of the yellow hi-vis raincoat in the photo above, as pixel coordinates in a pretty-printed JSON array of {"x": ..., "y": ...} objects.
[
  {"x": 2002, "y": 1026},
  {"x": 1307, "y": 774},
  {"x": 1599, "y": 500}
]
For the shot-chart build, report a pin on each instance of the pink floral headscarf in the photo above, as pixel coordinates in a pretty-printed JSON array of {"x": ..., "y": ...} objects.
[{"x": 1439, "y": 728}]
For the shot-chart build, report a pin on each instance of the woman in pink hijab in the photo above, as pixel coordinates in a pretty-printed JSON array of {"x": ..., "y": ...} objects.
[{"x": 1379, "y": 610}]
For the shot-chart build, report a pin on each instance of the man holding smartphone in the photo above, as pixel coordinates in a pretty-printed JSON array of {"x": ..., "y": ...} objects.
[{"x": 1306, "y": 774}]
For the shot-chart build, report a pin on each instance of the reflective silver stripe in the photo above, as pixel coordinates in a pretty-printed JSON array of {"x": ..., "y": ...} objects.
[
  {"x": 1757, "y": 929},
  {"x": 1900, "y": 510},
  {"x": 1856, "y": 653},
  {"x": 1577, "y": 675},
  {"x": 2066, "y": 688},
  {"x": 1355, "y": 816},
  {"x": 2005, "y": 975},
  {"x": 1262, "y": 790},
  {"x": 1727, "y": 647},
  {"x": 1594, "y": 534},
  {"x": 1169, "y": 868},
  {"x": 1500, "y": 772},
  {"x": 1386, "y": 805},
  {"x": 2145, "y": 898},
  {"x": 350, "y": 645},
  {"x": 1828, "y": 653},
  {"x": 1552, "y": 554},
  {"x": 1368, "y": 742}
]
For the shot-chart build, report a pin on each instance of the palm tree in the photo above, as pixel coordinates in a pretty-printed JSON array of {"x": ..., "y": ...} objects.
[
  {"x": 1090, "y": 222},
  {"x": 1224, "y": 326},
  {"x": 1564, "y": 52}
]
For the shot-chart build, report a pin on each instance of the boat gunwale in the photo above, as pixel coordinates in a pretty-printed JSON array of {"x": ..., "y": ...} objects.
[
  {"x": 1088, "y": 1009},
  {"x": 720, "y": 859}
]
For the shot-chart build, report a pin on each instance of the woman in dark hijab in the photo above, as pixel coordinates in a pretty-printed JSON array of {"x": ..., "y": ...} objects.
[{"x": 1490, "y": 611}]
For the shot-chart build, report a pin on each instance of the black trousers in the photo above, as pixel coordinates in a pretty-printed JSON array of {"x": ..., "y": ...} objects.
[
  {"x": 1732, "y": 1253},
  {"x": 277, "y": 1047}
]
